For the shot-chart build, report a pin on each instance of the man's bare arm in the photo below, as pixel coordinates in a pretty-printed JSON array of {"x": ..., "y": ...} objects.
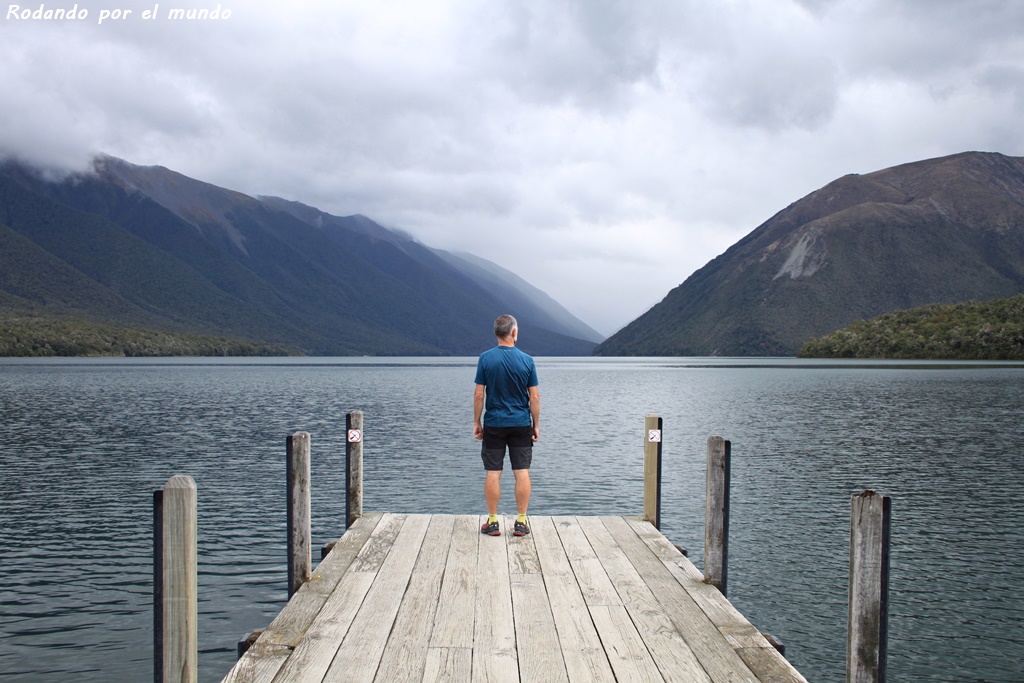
[
  {"x": 478, "y": 411},
  {"x": 535, "y": 411}
]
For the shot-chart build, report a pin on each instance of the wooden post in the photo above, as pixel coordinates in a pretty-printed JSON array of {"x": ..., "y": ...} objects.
[
  {"x": 180, "y": 647},
  {"x": 869, "y": 588},
  {"x": 353, "y": 467},
  {"x": 300, "y": 561},
  {"x": 652, "y": 470},
  {"x": 716, "y": 523}
]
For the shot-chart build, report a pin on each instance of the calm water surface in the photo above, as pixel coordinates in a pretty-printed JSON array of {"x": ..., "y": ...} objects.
[{"x": 87, "y": 441}]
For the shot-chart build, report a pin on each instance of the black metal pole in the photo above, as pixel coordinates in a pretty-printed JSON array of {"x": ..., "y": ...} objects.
[
  {"x": 158, "y": 586},
  {"x": 883, "y": 626},
  {"x": 660, "y": 442},
  {"x": 348, "y": 471}
]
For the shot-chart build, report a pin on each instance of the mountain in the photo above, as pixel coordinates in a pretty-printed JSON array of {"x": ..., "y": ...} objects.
[
  {"x": 463, "y": 270},
  {"x": 938, "y": 231},
  {"x": 507, "y": 286},
  {"x": 147, "y": 247}
]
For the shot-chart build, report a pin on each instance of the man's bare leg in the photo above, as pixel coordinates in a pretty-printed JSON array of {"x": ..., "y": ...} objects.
[
  {"x": 523, "y": 490},
  {"x": 492, "y": 490}
]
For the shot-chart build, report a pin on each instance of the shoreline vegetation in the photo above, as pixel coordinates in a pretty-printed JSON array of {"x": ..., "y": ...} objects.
[
  {"x": 49, "y": 337},
  {"x": 973, "y": 330}
]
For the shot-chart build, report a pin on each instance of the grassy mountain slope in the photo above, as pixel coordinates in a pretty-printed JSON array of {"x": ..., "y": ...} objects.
[{"x": 938, "y": 231}]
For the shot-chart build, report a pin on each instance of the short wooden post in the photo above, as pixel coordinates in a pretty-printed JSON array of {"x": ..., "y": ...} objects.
[
  {"x": 716, "y": 523},
  {"x": 652, "y": 470},
  {"x": 353, "y": 467},
  {"x": 869, "y": 588},
  {"x": 180, "y": 646},
  {"x": 300, "y": 560}
]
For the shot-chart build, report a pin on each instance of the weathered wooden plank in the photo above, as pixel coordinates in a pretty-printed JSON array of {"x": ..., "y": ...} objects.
[
  {"x": 449, "y": 665},
  {"x": 597, "y": 589},
  {"x": 315, "y": 651},
  {"x": 291, "y": 623},
  {"x": 629, "y": 657},
  {"x": 260, "y": 664},
  {"x": 673, "y": 656},
  {"x": 522, "y": 551},
  {"x": 494, "y": 636},
  {"x": 454, "y": 621},
  {"x": 540, "y": 656},
  {"x": 661, "y": 546},
  {"x": 405, "y": 655},
  {"x": 266, "y": 656},
  {"x": 377, "y": 547},
  {"x": 769, "y": 665},
  {"x": 585, "y": 659},
  {"x": 714, "y": 653},
  {"x": 361, "y": 650},
  {"x": 740, "y": 633},
  {"x": 313, "y": 657}
]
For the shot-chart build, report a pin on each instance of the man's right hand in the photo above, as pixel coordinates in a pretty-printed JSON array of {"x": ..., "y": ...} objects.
[{"x": 478, "y": 432}]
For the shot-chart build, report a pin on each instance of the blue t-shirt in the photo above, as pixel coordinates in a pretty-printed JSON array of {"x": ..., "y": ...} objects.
[{"x": 508, "y": 374}]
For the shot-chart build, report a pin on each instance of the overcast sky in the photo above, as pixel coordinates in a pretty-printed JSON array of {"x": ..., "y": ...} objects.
[{"x": 601, "y": 149}]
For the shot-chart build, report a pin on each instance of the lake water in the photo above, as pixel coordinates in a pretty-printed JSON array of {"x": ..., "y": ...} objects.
[{"x": 86, "y": 442}]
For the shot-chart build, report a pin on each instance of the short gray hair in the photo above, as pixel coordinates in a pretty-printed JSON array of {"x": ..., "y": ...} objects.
[{"x": 504, "y": 325}]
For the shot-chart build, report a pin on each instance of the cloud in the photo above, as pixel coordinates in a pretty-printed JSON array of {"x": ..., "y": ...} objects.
[{"x": 603, "y": 149}]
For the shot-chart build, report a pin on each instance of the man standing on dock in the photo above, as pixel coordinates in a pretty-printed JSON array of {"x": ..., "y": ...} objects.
[{"x": 506, "y": 384}]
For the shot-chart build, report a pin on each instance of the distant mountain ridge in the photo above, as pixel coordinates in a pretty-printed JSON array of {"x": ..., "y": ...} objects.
[
  {"x": 148, "y": 247},
  {"x": 943, "y": 230}
]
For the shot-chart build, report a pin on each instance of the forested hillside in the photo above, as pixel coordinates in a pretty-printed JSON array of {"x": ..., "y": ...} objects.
[
  {"x": 41, "y": 337},
  {"x": 985, "y": 330}
]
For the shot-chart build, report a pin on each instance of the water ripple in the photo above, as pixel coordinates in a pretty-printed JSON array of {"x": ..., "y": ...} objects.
[{"x": 86, "y": 443}]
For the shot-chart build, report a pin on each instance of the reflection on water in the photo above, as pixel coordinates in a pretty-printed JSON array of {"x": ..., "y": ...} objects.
[{"x": 86, "y": 443}]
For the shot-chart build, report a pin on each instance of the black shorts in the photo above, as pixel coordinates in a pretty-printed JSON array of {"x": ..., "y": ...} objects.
[{"x": 520, "y": 447}]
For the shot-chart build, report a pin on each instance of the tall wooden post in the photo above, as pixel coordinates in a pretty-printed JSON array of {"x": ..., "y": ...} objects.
[
  {"x": 716, "y": 523},
  {"x": 353, "y": 467},
  {"x": 652, "y": 470},
  {"x": 300, "y": 560},
  {"x": 869, "y": 588},
  {"x": 180, "y": 634}
]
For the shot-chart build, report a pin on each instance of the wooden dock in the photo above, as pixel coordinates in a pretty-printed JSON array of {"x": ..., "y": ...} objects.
[{"x": 429, "y": 598}]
